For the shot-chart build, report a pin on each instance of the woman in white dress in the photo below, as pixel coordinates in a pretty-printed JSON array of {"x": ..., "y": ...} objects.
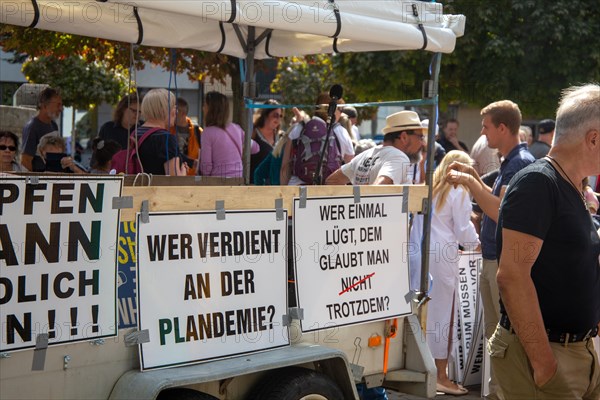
[{"x": 450, "y": 226}]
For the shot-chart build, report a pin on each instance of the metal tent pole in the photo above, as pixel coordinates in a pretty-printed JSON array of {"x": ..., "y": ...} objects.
[
  {"x": 430, "y": 91},
  {"x": 249, "y": 94}
]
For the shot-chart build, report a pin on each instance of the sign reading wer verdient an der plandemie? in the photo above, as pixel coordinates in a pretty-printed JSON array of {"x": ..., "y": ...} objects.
[
  {"x": 351, "y": 260},
  {"x": 57, "y": 259},
  {"x": 211, "y": 288}
]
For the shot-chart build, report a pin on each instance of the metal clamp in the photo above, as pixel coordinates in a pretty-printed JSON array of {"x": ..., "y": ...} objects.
[{"x": 34, "y": 180}]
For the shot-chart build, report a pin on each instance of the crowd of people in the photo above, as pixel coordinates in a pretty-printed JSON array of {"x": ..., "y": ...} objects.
[{"x": 526, "y": 203}]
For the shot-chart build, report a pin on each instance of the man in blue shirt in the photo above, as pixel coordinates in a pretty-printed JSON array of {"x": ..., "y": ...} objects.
[{"x": 500, "y": 124}]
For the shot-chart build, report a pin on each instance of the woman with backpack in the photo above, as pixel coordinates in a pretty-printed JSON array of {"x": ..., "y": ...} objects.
[
  {"x": 300, "y": 159},
  {"x": 156, "y": 148},
  {"x": 221, "y": 141}
]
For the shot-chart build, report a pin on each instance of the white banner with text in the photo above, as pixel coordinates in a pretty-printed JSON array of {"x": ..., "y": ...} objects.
[
  {"x": 351, "y": 260},
  {"x": 58, "y": 239},
  {"x": 211, "y": 287}
]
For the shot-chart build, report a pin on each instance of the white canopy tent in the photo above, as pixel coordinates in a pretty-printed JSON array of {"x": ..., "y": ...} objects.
[
  {"x": 254, "y": 29},
  {"x": 287, "y": 27}
]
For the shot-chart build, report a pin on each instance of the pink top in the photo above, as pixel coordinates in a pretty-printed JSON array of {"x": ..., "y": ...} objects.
[{"x": 221, "y": 151}]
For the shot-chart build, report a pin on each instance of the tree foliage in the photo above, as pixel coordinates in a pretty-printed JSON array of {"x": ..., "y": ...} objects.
[
  {"x": 301, "y": 79},
  {"x": 34, "y": 43},
  {"x": 83, "y": 84},
  {"x": 526, "y": 51}
]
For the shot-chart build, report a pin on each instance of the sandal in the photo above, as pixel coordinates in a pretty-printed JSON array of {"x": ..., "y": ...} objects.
[{"x": 459, "y": 391}]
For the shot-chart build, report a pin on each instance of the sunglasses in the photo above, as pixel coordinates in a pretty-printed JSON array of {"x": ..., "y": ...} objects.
[
  {"x": 277, "y": 115},
  {"x": 10, "y": 148}
]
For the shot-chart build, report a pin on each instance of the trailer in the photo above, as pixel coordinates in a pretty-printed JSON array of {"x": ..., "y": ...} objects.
[
  {"x": 309, "y": 360},
  {"x": 236, "y": 292}
]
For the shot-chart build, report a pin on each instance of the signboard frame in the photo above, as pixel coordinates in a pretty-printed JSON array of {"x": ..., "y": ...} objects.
[
  {"x": 62, "y": 212},
  {"x": 152, "y": 355},
  {"x": 343, "y": 216}
]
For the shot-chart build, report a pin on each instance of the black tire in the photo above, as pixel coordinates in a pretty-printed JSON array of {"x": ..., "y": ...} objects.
[
  {"x": 183, "y": 394},
  {"x": 296, "y": 383}
]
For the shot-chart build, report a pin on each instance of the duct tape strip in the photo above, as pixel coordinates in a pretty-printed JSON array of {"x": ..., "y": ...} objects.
[
  {"x": 357, "y": 372},
  {"x": 279, "y": 209},
  {"x": 119, "y": 203},
  {"x": 356, "y": 191},
  {"x": 293, "y": 313},
  {"x": 39, "y": 354},
  {"x": 425, "y": 206},
  {"x": 405, "y": 199},
  {"x": 145, "y": 209},
  {"x": 137, "y": 337},
  {"x": 34, "y": 180},
  {"x": 302, "y": 197},
  {"x": 220, "y": 209},
  {"x": 410, "y": 296}
]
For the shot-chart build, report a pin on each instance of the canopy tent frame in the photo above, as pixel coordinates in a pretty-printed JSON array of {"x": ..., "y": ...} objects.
[{"x": 353, "y": 26}]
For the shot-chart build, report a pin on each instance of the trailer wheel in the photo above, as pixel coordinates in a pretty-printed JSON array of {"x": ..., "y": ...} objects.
[
  {"x": 183, "y": 394},
  {"x": 296, "y": 383}
]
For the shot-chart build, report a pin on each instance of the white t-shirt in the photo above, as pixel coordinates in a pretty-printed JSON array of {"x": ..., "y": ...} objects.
[
  {"x": 378, "y": 161},
  {"x": 342, "y": 136}
]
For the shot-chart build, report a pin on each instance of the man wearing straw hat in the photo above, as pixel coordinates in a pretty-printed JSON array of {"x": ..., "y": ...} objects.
[{"x": 388, "y": 163}]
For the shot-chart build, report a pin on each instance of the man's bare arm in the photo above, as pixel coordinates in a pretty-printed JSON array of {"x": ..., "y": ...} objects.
[
  {"x": 337, "y": 178},
  {"x": 519, "y": 252},
  {"x": 383, "y": 180},
  {"x": 482, "y": 193}
]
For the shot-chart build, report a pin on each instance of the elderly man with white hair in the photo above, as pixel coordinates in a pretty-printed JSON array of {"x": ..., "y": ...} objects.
[{"x": 549, "y": 270}]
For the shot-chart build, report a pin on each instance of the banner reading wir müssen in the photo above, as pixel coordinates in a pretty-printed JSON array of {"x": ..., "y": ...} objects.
[
  {"x": 57, "y": 259},
  {"x": 209, "y": 287}
]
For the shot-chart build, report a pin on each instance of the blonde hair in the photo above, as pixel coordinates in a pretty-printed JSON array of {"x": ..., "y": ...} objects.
[
  {"x": 281, "y": 142},
  {"x": 51, "y": 140},
  {"x": 157, "y": 105},
  {"x": 441, "y": 187}
]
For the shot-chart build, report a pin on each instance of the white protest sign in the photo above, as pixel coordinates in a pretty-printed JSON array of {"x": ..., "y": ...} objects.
[
  {"x": 468, "y": 348},
  {"x": 58, "y": 240},
  {"x": 351, "y": 260},
  {"x": 211, "y": 288}
]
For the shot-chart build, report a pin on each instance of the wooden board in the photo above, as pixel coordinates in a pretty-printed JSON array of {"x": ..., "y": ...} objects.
[{"x": 194, "y": 198}]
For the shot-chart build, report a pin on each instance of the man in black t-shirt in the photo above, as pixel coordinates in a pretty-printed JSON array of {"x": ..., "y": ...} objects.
[
  {"x": 49, "y": 107},
  {"x": 549, "y": 271}
]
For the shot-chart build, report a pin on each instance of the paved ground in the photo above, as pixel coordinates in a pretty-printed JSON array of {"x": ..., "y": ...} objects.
[{"x": 474, "y": 394}]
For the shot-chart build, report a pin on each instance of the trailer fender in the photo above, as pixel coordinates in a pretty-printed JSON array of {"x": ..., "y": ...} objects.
[{"x": 148, "y": 384}]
